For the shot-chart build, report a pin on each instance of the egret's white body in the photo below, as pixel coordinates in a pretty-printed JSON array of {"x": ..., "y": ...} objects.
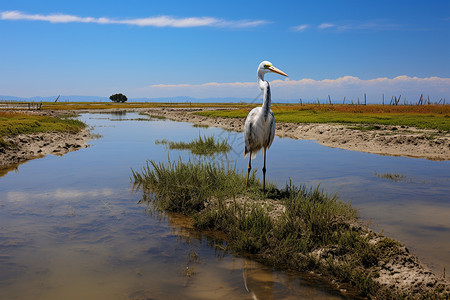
[{"x": 259, "y": 127}]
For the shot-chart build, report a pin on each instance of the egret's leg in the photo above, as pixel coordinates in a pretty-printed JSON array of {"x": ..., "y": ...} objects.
[
  {"x": 248, "y": 169},
  {"x": 264, "y": 173}
]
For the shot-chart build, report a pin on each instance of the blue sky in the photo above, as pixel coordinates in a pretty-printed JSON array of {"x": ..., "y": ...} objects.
[{"x": 212, "y": 48}]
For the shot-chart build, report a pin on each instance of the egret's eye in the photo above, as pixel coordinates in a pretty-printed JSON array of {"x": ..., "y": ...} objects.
[{"x": 266, "y": 66}]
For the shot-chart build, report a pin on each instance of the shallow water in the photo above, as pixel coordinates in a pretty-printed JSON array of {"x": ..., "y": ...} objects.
[{"x": 71, "y": 226}]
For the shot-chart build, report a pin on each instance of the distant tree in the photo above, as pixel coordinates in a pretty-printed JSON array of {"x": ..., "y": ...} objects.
[{"x": 118, "y": 98}]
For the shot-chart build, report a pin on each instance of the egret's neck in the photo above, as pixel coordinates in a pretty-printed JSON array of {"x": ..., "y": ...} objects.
[{"x": 265, "y": 87}]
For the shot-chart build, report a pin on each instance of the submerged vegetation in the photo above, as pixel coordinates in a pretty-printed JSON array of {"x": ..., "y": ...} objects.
[
  {"x": 200, "y": 126},
  {"x": 423, "y": 117},
  {"x": 391, "y": 176},
  {"x": 201, "y": 146},
  {"x": 15, "y": 123},
  {"x": 295, "y": 227}
]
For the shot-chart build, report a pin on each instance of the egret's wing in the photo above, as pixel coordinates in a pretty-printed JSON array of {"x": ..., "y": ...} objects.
[
  {"x": 271, "y": 130},
  {"x": 251, "y": 132}
]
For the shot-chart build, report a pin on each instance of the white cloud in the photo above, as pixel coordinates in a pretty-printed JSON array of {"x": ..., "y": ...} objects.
[
  {"x": 300, "y": 27},
  {"x": 372, "y": 25},
  {"x": 325, "y": 25},
  {"x": 157, "y": 21},
  {"x": 368, "y": 26},
  {"x": 350, "y": 87}
]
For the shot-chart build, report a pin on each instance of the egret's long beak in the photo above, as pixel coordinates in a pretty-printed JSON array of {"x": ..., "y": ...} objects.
[{"x": 278, "y": 71}]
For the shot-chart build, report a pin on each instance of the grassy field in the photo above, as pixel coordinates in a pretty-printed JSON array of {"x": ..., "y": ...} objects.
[
  {"x": 15, "y": 123},
  {"x": 423, "y": 116},
  {"x": 311, "y": 224}
]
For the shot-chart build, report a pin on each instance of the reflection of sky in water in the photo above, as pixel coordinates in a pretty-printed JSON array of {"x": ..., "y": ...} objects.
[{"x": 72, "y": 221}]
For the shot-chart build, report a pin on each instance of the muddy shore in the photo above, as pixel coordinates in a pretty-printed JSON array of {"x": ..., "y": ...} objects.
[
  {"x": 384, "y": 140},
  {"x": 32, "y": 146}
]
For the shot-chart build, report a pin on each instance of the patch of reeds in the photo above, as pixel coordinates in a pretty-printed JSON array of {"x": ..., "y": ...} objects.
[
  {"x": 201, "y": 146},
  {"x": 310, "y": 231},
  {"x": 391, "y": 176},
  {"x": 185, "y": 187}
]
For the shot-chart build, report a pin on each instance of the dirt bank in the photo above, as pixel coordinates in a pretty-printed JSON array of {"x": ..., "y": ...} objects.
[
  {"x": 31, "y": 146},
  {"x": 380, "y": 139}
]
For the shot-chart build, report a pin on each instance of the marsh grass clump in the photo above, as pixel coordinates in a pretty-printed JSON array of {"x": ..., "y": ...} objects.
[
  {"x": 391, "y": 176},
  {"x": 309, "y": 231},
  {"x": 201, "y": 146},
  {"x": 185, "y": 187}
]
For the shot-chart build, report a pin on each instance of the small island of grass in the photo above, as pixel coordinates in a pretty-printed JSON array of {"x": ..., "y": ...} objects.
[
  {"x": 294, "y": 228},
  {"x": 201, "y": 146}
]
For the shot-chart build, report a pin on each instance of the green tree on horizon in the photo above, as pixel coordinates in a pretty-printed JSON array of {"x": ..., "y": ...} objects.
[{"x": 118, "y": 98}]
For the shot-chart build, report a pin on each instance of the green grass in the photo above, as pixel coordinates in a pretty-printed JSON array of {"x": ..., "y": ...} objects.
[
  {"x": 184, "y": 187},
  {"x": 12, "y": 124},
  {"x": 435, "y": 118},
  {"x": 315, "y": 231},
  {"x": 201, "y": 146}
]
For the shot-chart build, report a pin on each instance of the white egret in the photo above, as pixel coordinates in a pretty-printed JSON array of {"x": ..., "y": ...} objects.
[{"x": 259, "y": 128}]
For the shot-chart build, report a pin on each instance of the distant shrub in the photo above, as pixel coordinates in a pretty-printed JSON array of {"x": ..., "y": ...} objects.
[{"x": 118, "y": 98}]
